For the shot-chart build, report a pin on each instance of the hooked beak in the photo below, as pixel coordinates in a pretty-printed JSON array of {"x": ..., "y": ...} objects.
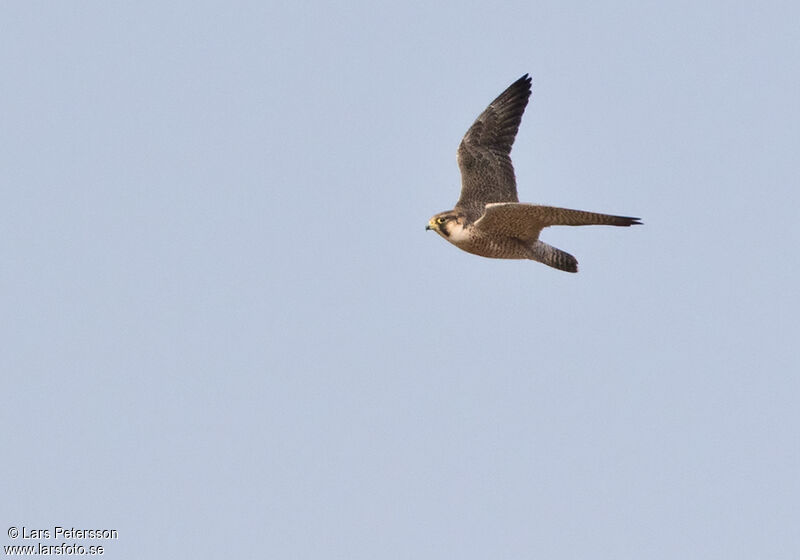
[{"x": 427, "y": 227}]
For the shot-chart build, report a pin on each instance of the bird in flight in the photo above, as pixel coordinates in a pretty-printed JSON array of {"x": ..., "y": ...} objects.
[{"x": 488, "y": 219}]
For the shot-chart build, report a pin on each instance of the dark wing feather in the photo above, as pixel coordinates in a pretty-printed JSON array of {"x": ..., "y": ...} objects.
[{"x": 487, "y": 174}]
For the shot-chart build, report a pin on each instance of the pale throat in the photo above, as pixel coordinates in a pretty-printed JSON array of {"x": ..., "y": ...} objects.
[{"x": 458, "y": 233}]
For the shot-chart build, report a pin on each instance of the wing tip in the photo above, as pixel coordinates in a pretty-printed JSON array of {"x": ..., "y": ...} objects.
[{"x": 525, "y": 81}]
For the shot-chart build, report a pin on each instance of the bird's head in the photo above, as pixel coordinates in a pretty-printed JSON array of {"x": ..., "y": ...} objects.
[{"x": 445, "y": 222}]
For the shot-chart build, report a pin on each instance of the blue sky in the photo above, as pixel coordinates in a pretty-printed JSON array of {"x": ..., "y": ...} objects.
[{"x": 227, "y": 332}]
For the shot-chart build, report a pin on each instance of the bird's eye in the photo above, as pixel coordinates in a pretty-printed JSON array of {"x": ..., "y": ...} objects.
[{"x": 441, "y": 220}]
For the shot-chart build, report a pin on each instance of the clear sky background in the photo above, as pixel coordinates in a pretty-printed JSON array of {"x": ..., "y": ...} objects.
[{"x": 226, "y": 333}]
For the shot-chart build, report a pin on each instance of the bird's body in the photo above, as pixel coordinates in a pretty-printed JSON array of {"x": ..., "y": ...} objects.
[{"x": 488, "y": 219}]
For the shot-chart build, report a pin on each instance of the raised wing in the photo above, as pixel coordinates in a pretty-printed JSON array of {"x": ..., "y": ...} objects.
[{"x": 487, "y": 174}]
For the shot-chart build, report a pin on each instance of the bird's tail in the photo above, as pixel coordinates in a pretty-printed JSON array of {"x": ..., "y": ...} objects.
[{"x": 549, "y": 255}]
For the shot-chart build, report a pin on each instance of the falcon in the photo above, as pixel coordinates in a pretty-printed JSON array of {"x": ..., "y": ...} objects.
[{"x": 488, "y": 219}]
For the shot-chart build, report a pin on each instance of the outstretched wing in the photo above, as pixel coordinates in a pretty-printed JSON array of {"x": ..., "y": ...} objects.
[
  {"x": 487, "y": 174},
  {"x": 525, "y": 221}
]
